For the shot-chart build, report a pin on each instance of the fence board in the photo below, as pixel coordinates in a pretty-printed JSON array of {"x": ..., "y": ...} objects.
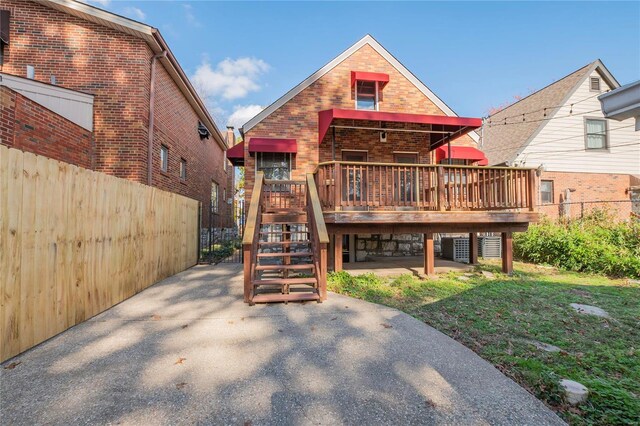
[{"x": 74, "y": 242}]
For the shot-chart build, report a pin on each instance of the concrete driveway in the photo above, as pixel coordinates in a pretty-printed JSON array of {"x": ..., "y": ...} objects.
[{"x": 187, "y": 350}]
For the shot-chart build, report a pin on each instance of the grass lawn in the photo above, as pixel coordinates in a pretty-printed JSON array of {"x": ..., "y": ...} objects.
[{"x": 497, "y": 319}]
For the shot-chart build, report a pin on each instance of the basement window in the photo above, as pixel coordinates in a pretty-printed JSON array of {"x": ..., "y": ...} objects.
[
  {"x": 594, "y": 84},
  {"x": 367, "y": 95},
  {"x": 164, "y": 158}
]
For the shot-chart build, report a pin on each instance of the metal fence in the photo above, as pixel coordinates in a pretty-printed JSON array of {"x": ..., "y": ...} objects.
[
  {"x": 221, "y": 241},
  {"x": 619, "y": 209}
]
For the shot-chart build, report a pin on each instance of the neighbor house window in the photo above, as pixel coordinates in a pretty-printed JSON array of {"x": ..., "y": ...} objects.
[
  {"x": 595, "y": 133},
  {"x": 183, "y": 169},
  {"x": 546, "y": 191},
  {"x": 367, "y": 95},
  {"x": 214, "y": 197},
  {"x": 275, "y": 165},
  {"x": 595, "y": 84},
  {"x": 164, "y": 158}
]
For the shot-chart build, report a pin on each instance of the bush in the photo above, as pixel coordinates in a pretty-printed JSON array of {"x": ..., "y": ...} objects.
[{"x": 595, "y": 244}]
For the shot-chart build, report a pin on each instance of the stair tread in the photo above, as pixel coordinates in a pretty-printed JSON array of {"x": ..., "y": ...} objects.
[
  {"x": 284, "y": 243},
  {"x": 290, "y": 267},
  {"x": 281, "y": 281},
  {"x": 279, "y": 297},
  {"x": 290, "y": 254},
  {"x": 284, "y": 232}
]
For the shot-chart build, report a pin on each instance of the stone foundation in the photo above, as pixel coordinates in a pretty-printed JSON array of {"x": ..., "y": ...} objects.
[{"x": 389, "y": 245}]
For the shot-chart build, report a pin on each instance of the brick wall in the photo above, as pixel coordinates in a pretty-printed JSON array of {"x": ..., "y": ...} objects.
[
  {"x": 116, "y": 68},
  {"x": 298, "y": 118},
  {"x": 28, "y": 126},
  {"x": 589, "y": 188}
]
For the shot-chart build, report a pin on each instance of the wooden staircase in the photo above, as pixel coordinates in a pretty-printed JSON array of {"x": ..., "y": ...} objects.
[{"x": 285, "y": 243}]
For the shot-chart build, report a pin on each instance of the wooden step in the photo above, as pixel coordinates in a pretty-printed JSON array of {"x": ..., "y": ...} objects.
[
  {"x": 284, "y": 218},
  {"x": 299, "y": 267},
  {"x": 279, "y": 297},
  {"x": 288, "y": 222},
  {"x": 283, "y": 243},
  {"x": 285, "y": 281},
  {"x": 283, "y": 232},
  {"x": 290, "y": 254}
]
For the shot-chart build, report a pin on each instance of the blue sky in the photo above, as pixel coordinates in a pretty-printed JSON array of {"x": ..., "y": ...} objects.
[{"x": 473, "y": 55}]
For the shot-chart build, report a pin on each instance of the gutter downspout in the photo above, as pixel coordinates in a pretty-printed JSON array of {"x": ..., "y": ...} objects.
[{"x": 152, "y": 97}]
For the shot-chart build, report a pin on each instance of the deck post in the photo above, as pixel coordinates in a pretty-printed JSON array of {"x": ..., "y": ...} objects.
[
  {"x": 441, "y": 195},
  {"x": 507, "y": 252},
  {"x": 337, "y": 252},
  {"x": 337, "y": 186},
  {"x": 473, "y": 248},
  {"x": 429, "y": 254}
]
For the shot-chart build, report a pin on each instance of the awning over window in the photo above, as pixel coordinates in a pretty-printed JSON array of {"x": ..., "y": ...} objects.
[
  {"x": 444, "y": 127},
  {"x": 235, "y": 154},
  {"x": 381, "y": 78},
  {"x": 462, "y": 153},
  {"x": 273, "y": 145}
]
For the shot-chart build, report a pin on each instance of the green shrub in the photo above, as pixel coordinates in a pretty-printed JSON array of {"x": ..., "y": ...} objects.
[{"x": 595, "y": 244}]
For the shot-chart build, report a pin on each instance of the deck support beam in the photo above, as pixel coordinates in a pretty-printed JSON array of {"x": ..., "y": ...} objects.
[
  {"x": 429, "y": 254},
  {"x": 473, "y": 248},
  {"x": 507, "y": 252},
  {"x": 337, "y": 252}
]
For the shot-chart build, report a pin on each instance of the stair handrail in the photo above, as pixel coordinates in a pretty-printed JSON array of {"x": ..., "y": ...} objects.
[
  {"x": 318, "y": 234},
  {"x": 251, "y": 236}
]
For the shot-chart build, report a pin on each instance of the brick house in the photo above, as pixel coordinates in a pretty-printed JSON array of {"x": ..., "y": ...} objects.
[
  {"x": 363, "y": 158},
  {"x": 88, "y": 87},
  {"x": 584, "y": 160}
]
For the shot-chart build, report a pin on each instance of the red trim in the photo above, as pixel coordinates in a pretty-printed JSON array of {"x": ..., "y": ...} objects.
[
  {"x": 273, "y": 145},
  {"x": 235, "y": 154},
  {"x": 458, "y": 126},
  {"x": 381, "y": 78},
  {"x": 462, "y": 153}
]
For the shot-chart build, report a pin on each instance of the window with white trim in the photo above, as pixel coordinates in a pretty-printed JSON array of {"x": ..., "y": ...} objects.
[
  {"x": 214, "y": 196},
  {"x": 367, "y": 95},
  {"x": 546, "y": 191},
  {"x": 164, "y": 158}
]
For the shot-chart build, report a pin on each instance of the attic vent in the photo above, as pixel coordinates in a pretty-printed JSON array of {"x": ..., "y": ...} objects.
[
  {"x": 595, "y": 84},
  {"x": 203, "y": 131}
]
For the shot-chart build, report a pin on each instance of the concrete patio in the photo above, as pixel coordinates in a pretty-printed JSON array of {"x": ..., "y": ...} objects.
[
  {"x": 392, "y": 266},
  {"x": 187, "y": 350}
]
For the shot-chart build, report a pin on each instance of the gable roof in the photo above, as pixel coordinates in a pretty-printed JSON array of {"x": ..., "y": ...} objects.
[
  {"x": 502, "y": 144},
  {"x": 155, "y": 41},
  {"x": 367, "y": 39}
]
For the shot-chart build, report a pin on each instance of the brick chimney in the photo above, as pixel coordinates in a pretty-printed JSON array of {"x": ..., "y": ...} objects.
[{"x": 231, "y": 137}]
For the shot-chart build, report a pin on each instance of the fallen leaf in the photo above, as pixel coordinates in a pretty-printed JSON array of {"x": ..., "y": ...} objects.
[
  {"x": 386, "y": 325},
  {"x": 334, "y": 318},
  {"x": 229, "y": 322},
  {"x": 185, "y": 326},
  {"x": 242, "y": 319},
  {"x": 181, "y": 385},
  {"x": 12, "y": 365},
  {"x": 248, "y": 423},
  {"x": 156, "y": 317},
  {"x": 313, "y": 328},
  {"x": 430, "y": 403},
  {"x": 180, "y": 361},
  {"x": 346, "y": 307},
  {"x": 279, "y": 331}
]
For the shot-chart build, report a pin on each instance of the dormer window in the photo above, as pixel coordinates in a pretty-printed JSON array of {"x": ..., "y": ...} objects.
[
  {"x": 367, "y": 95},
  {"x": 367, "y": 87}
]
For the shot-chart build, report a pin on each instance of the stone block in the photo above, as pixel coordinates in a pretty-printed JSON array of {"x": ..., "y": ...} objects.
[
  {"x": 389, "y": 245},
  {"x": 404, "y": 247}
]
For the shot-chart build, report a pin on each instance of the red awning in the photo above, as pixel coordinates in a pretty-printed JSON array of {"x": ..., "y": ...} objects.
[
  {"x": 381, "y": 78},
  {"x": 462, "y": 153},
  {"x": 235, "y": 154},
  {"x": 273, "y": 145},
  {"x": 453, "y": 126}
]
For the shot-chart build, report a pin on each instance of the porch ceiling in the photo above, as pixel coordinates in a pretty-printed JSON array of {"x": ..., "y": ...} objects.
[{"x": 443, "y": 128}]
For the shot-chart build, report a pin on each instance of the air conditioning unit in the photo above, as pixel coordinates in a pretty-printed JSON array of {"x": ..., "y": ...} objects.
[
  {"x": 489, "y": 247},
  {"x": 456, "y": 249}
]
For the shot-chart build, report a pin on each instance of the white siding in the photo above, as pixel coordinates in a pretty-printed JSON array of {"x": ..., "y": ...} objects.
[
  {"x": 560, "y": 145},
  {"x": 75, "y": 106}
]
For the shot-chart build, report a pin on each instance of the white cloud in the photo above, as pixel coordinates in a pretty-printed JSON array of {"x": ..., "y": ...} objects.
[
  {"x": 230, "y": 79},
  {"x": 190, "y": 16},
  {"x": 134, "y": 13},
  {"x": 242, "y": 114}
]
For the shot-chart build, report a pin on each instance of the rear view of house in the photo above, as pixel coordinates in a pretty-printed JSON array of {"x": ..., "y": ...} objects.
[
  {"x": 584, "y": 160},
  {"x": 88, "y": 87},
  {"x": 362, "y": 153}
]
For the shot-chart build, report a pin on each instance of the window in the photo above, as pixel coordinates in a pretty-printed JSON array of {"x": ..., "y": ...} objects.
[
  {"x": 183, "y": 169},
  {"x": 354, "y": 180},
  {"x": 275, "y": 165},
  {"x": 214, "y": 196},
  {"x": 405, "y": 157},
  {"x": 594, "y": 84},
  {"x": 595, "y": 133},
  {"x": 546, "y": 191},
  {"x": 164, "y": 158},
  {"x": 367, "y": 95},
  {"x": 404, "y": 179}
]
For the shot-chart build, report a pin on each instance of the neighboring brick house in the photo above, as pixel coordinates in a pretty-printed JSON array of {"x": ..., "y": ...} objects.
[
  {"x": 364, "y": 106},
  {"x": 584, "y": 160},
  {"x": 146, "y": 122}
]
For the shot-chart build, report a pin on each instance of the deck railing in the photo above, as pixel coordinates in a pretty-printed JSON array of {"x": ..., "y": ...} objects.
[{"x": 393, "y": 186}]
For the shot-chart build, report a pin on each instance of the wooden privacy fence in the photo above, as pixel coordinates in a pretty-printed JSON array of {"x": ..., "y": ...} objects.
[{"x": 74, "y": 242}]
